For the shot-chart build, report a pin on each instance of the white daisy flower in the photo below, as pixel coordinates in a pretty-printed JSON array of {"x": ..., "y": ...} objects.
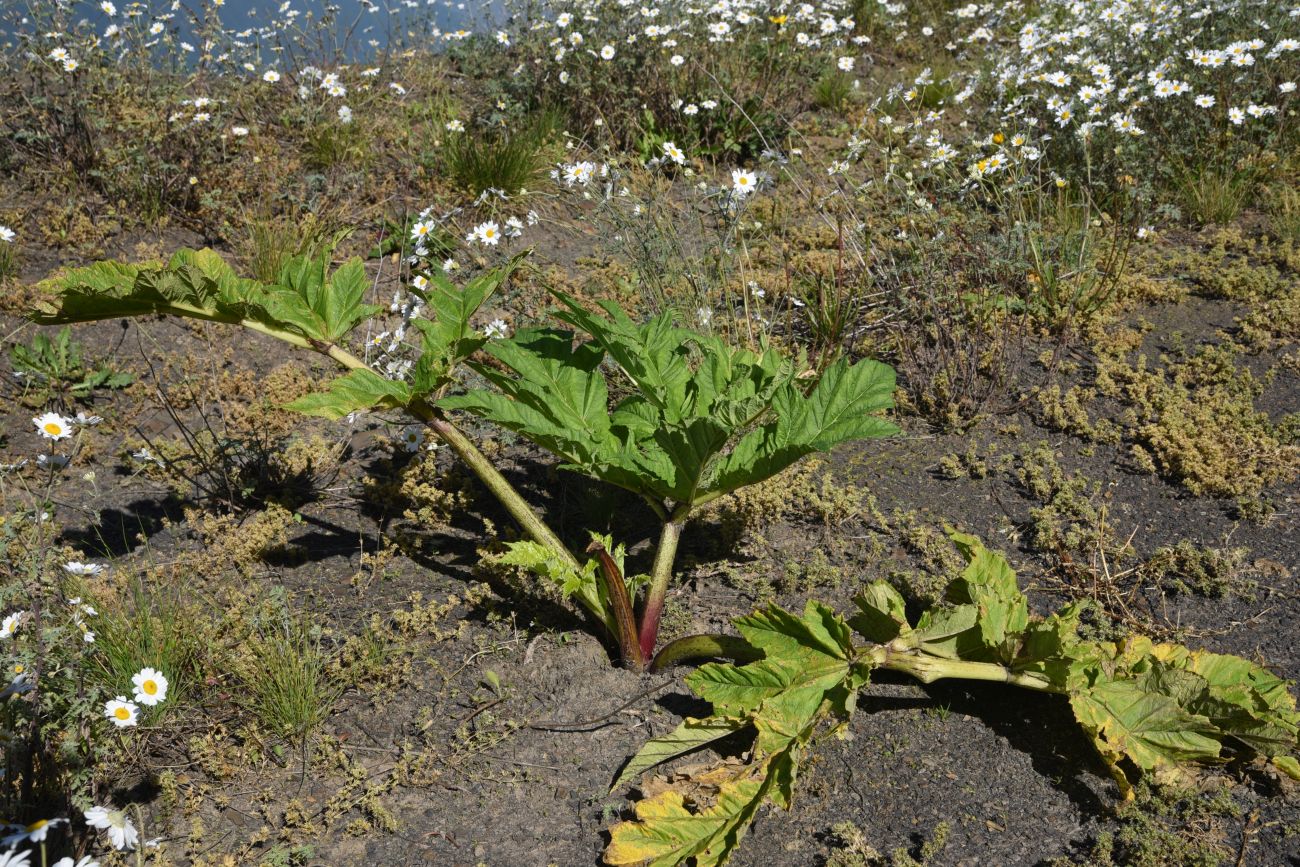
[
  {"x": 16, "y": 859},
  {"x": 743, "y": 182},
  {"x": 413, "y": 438},
  {"x": 86, "y": 861},
  {"x": 488, "y": 233},
  {"x": 53, "y": 426},
  {"x": 150, "y": 686},
  {"x": 123, "y": 713},
  {"x": 36, "y": 832},
  {"x": 120, "y": 830},
  {"x": 11, "y": 623}
]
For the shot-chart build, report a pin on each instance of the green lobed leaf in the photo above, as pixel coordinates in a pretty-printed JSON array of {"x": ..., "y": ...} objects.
[
  {"x": 358, "y": 390},
  {"x": 1288, "y": 765},
  {"x": 704, "y": 420},
  {"x": 990, "y": 585},
  {"x": 99, "y": 291},
  {"x": 807, "y": 669},
  {"x": 839, "y": 408},
  {"x": 195, "y": 283}
]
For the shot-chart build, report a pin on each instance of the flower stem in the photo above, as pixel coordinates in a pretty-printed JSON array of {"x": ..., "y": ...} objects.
[
  {"x": 660, "y": 575},
  {"x": 515, "y": 504}
]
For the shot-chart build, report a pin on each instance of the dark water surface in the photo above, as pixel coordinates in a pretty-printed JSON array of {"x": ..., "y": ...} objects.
[{"x": 353, "y": 29}]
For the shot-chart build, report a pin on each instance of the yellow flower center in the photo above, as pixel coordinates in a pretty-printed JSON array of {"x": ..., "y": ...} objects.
[
  {"x": 150, "y": 687},
  {"x": 122, "y": 713},
  {"x": 53, "y": 428},
  {"x": 19, "y": 669},
  {"x": 37, "y": 825}
]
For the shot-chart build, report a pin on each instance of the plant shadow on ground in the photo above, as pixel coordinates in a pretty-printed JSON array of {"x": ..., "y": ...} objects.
[
  {"x": 1031, "y": 723},
  {"x": 120, "y": 530}
]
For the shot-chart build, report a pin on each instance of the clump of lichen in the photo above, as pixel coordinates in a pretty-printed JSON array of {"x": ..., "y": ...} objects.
[
  {"x": 1273, "y": 323},
  {"x": 1069, "y": 520},
  {"x": 1188, "y": 568},
  {"x": 807, "y": 492},
  {"x": 1227, "y": 263},
  {"x": 966, "y": 465},
  {"x": 1194, "y": 421},
  {"x": 243, "y": 543},
  {"x": 1170, "y": 827},
  {"x": 422, "y": 493},
  {"x": 849, "y": 848}
]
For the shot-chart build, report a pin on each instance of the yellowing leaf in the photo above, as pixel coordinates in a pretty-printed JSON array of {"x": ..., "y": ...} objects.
[
  {"x": 667, "y": 831},
  {"x": 1150, "y": 729}
]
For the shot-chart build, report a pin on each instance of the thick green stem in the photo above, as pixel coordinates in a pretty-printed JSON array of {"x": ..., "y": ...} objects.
[
  {"x": 660, "y": 576},
  {"x": 928, "y": 669},
  {"x": 518, "y": 508}
]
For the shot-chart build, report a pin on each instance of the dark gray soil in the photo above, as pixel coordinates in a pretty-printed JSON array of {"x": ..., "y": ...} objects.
[{"x": 520, "y": 775}]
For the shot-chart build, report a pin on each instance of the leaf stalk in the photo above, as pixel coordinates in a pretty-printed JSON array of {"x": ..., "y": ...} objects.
[
  {"x": 660, "y": 576},
  {"x": 927, "y": 668},
  {"x": 621, "y": 604}
]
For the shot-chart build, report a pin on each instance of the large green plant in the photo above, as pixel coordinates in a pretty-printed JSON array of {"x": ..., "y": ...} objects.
[
  {"x": 1156, "y": 706},
  {"x": 702, "y": 418}
]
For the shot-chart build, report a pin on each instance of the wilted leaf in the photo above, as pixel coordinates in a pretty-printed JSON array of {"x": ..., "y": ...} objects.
[
  {"x": 882, "y": 613},
  {"x": 668, "y": 832},
  {"x": 690, "y": 735}
]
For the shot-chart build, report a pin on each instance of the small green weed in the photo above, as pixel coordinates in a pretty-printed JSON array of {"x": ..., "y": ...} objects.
[
  {"x": 832, "y": 91},
  {"x": 55, "y": 369},
  {"x": 151, "y": 631},
  {"x": 1215, "y": 195},
  {"x": 1283, "y": 214},
  {"x": 271, "y": 243}
]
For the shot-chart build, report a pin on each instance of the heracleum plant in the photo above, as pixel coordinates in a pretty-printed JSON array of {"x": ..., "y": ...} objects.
[{"x": 701, "y": 418}]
